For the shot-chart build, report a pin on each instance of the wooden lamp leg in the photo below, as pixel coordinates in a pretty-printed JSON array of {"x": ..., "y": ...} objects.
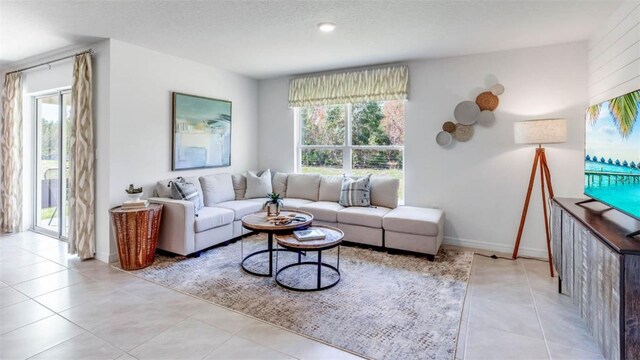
[
  {"x": 543, "y": 175},
  {"x": 532, "y": 178},
  {"x": 547, "y": 174}
]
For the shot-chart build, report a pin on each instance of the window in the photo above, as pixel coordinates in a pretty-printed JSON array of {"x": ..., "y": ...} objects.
[{"x": 353, "y": 139}]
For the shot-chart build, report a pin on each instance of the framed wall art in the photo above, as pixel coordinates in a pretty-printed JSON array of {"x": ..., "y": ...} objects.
[{"x": 201, "y": 132}]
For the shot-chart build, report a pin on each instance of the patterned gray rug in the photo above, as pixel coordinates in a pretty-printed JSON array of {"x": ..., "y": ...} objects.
[{"x": 384, "y": 307}]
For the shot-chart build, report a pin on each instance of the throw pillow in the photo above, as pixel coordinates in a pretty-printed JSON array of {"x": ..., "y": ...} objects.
[
  {"x": 187, "y": 191},
  {"x": 356, "y": 192},
  {"x": 163, "y": 188},
  {"x": 258, "y": 186}
]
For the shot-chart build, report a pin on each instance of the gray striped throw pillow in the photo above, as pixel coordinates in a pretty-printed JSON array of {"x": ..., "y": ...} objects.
[
  {"x": 356, "y": 192},
  {"x": 183, "y": 190}
]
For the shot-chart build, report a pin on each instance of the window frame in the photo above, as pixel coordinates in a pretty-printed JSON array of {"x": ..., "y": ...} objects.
[
  {"x": 347, "y": 149},
  {"x": 63, "y": 221}
]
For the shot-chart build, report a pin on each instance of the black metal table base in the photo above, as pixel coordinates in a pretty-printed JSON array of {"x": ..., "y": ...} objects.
[
  {"x": 320, "y": 265},
  {"x": 269, "y": 250}
]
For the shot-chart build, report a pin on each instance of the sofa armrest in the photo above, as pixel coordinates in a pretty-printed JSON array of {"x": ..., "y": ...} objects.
[{"x": 177, "y": 233}]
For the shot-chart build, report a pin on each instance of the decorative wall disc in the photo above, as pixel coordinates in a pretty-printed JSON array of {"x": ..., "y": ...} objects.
[
  {"x": 497, "y": 89},
  {"x": 487, "y": 101},
  {"x": 469, "y": 113},
  {"x": 463, "y": 133},
  {"x": 466, "y": 112},
  {"x": 444, "y": 138},
  {"x": 486, "y": 118},
  {"x": 449, "y": 127}
]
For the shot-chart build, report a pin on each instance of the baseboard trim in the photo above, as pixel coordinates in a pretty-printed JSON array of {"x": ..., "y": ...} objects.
[
  {"x": 484, "y": 245},
  {"x": 107, "y": 258}
]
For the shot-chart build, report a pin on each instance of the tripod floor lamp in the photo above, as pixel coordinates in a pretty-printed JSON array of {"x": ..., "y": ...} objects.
[{"x": 538, "y": 132}]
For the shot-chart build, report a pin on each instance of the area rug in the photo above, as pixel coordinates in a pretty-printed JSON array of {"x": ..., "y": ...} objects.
[{"x": 384, "y": 307}]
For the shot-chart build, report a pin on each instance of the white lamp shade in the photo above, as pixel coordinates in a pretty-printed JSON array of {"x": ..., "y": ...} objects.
[{"x": 543, "y": 131}]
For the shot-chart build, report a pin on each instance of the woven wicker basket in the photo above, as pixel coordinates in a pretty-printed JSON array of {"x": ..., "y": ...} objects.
[
  {"x": 487, "y": 101},
  {"x": 449, "y": 127}
]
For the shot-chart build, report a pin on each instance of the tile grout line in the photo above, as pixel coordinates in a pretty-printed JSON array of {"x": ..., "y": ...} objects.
[
  {"x": 466, "y": 335},
  {"x": 58, "y": 313},
  {"x": 535, "y": 306},
  {"x": 49, "y": 348}
]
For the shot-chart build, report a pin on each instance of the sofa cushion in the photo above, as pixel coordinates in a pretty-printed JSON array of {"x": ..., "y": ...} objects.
[
  {"x": 414, "y": 220},
  {"x": 303, "y": 186},
  {"x": 330, "y": 186},
  {"x": 217, "y": 188},
  {"x": 239, "y": 185},
  {"x": 363, "y": 216},
  {"x": 356, "y": 191},
  {"x": 294, "y": 204},
  {"x": 323, "y": 210},
  {"x": 384, "y": 191},
  {"x": 163, "y": 189},
  {"x": 212, "y": 217},
  {"x": 279, "y": 183},
  {"x": 241, "y": 207},
  {"x": 258, "y": 186}
]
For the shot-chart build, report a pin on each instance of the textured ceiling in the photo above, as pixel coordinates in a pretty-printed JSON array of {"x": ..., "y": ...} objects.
[{"x": 264, "y": 39}]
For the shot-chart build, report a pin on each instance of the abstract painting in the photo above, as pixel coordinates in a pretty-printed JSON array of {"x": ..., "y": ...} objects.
[{"x": 201, "y": 132}]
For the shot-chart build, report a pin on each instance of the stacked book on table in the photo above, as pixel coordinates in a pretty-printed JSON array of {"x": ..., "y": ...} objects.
[
  {"x": 309, "y": 234},
  {"x": 137, "y": 204}
]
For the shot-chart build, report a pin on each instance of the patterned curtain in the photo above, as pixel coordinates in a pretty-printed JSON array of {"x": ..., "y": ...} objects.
[
  {"x": 81, "y": 162},
  {"x": 388, "y": 83},
  {"x": 11, "y": 186}
]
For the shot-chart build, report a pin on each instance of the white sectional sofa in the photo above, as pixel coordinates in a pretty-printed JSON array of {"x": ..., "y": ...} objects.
[{"x": 383, "y": 225}]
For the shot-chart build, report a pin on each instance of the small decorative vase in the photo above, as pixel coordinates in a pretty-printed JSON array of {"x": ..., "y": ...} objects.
[
  {"x": 134, "y": 197},
  {"x": 273, "y": 209}
]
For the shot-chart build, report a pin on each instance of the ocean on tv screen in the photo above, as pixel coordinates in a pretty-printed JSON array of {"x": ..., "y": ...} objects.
[{"x": 612, "y": 153}]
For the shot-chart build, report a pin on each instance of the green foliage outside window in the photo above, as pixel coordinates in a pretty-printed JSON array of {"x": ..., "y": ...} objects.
[{"x": 373, "y": 124}]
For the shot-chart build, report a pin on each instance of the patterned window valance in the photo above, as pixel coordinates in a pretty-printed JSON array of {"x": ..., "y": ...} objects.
[{"x": 388, "y": 83}]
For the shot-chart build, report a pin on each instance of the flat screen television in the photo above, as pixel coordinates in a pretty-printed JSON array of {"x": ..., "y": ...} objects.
[{"x": 612, "y": 153}]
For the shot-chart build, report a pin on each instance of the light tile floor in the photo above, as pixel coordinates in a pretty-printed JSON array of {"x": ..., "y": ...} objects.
[{"x": 55, "y": 307}]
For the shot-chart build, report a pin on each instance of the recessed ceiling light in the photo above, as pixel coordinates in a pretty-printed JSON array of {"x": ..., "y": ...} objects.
[{"x": 326, "y": 26}]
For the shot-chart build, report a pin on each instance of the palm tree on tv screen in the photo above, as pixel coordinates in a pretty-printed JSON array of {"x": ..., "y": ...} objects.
[{"x": 623, "y": 110}]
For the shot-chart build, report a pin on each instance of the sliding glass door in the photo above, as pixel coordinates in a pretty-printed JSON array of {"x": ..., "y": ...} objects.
[{"x": 52, "y": 119}]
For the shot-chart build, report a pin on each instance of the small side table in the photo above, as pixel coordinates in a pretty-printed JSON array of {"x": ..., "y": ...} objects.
[
  {"x": 259, "y": 222},
  {"x": 136, "y": 232},
  {"x": 333, "y": 238}
]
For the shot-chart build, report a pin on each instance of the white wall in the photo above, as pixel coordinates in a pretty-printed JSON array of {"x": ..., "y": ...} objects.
[
  {"x": 480, "y": 184},
  {"x": 141, "y": 82},
  {"x": 101, "y": 122},
  {"x": 614, "y": 55},
  {"x": 277, "y": 142}
]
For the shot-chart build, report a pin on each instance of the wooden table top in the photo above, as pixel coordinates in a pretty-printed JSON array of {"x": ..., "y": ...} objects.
[
  {"x": 333, "y": 237},
  {"x": 151, "y": 206},
  {"x": 260, "y": 222}
]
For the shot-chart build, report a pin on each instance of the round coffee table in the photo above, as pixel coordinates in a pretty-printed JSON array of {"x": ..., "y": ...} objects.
[
  {"x": 259, "y": 222},
  {"x": 333, "y": 238}
]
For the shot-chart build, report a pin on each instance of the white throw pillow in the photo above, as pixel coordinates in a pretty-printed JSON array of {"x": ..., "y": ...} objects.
[{"x": 258, "y": 186}]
